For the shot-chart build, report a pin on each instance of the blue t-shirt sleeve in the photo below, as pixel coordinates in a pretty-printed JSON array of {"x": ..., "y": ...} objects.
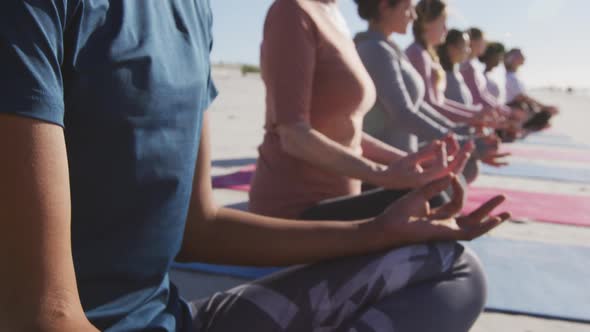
[
  {"x": 31, "y": 52},
  {"x": 212, "y": 89}
]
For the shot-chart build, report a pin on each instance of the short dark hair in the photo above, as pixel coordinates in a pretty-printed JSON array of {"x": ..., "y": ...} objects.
[
  {"x": 475, "y": 33},
  {"x": 369, "y": 9},
  {"x": 493, "y": 48},
  {"x": 509, "y": 58}
]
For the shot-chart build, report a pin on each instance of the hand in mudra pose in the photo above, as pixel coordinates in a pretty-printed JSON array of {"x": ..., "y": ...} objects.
[{"x": 411, "y": 220}]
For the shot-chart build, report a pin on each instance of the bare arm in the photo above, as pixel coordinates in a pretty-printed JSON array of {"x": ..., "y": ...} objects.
[
  {"x": 379, "y": 152},
  {"x": 38, "y": 292},
  {"x": 303, "y": 142},
  {"x": 221, "y": 235},
  {"x": 226, "y": 236}
]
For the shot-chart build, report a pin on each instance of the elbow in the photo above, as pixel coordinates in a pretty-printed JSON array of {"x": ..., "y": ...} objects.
[{"x": 292, "y": 137}]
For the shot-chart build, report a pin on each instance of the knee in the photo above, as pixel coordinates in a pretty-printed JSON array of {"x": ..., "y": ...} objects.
[{"x": 470, "y": 268}]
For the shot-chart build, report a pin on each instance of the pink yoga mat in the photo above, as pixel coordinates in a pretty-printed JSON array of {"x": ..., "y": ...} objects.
[
  {"x": 552, "y": 208},
  {"x": 547, "y": 153}
]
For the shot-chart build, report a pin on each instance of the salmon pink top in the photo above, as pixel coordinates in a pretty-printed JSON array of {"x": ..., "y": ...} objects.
[{"x": 312, "y": 74}]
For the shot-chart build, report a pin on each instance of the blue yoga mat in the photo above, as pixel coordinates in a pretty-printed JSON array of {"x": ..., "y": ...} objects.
[
  {"x": 557, "y": 140},
  {"x": 537, "y": 279},
  {"x": 540, "y": 171},
  {"x": 246, "y": 272},
  {"x": 530, "y": 278}
]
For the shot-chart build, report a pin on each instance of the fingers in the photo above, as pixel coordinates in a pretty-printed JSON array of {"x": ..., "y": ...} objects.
[
  {"x": 496, "y": 159},
  {"x": 454, "y": 207},
  {"x": 484, "y": 210},
  {"x": 485, "y": 226},
  {"x": 452, "y": 145},
  {"x": 442, "y": 156},
  {"x": 434, "y": 188},
  {"x": 430, "y": 152},
  {"x": 460, "y": 160}
]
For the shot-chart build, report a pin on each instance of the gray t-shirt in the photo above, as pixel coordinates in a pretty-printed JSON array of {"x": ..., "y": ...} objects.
[
  {"x": 400, "y": 117},
  {"x": 456, "y": 89}
]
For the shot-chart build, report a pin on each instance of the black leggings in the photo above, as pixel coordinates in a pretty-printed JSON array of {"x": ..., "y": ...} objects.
[{"x": 369, "y": 204}]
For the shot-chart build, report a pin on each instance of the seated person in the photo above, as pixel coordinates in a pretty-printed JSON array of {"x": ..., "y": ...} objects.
[
  {"x": 105, "y": 176},
  {"x": 401, "y": 117},
  {"x": 473, "y": 74},
  {"x": 515, "y": 89},
  {"x": 314, "y": 148},
  {"x": 429, "y": 31},
  {"x": 492, "y": 58},
  {"x": 452, "y": 53}
]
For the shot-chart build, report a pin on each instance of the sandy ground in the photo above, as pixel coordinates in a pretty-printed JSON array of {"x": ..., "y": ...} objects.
[{"x": 237, "y": 128}]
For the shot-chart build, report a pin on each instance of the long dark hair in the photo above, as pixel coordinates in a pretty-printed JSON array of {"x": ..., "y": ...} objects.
[
  {"x": 453, "y": 38},
  {"x": 427, "y": 11}
]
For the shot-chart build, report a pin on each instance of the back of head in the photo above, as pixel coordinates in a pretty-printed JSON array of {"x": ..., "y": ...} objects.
[
  {"x": 493, "y": 49},
  {"x": 369, "y": 9},
  {"x": 475, "y": 33},
  {"x": 511, "y": 57}
]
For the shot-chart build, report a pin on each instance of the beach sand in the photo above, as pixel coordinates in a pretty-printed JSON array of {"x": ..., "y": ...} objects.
[{"x": 237, "y": 117}]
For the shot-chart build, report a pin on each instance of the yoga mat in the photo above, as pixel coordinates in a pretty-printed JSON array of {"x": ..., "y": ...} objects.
[
  {"x": 540, "y": 171},
  {"x": 545, "y": 207},
  {"x": 530, "y": 278},
  {"x": 558, "y": 140},
  {"x": 246, "y": 272},
  {"x": 536, "y": 279},
  {"x": 547, "y": 153},
  {"x": 239, "y": 180}
]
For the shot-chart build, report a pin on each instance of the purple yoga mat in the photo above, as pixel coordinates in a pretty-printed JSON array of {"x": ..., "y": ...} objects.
[{"x": 239, "y": 180}]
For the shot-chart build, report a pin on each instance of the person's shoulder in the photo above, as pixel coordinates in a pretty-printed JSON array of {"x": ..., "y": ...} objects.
[
  {"x": 366, "y": 40},
  {"x": 466, "y": 67},
  {"x": 290, "y": 7},
  {"x": 417, "y": 54},
  {"x": 282, "y": 11}
]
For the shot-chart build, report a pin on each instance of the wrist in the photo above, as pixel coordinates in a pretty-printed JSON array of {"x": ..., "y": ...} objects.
[
  {"x": 374, "y": 234},
  {"x": 376, "y": 174}
]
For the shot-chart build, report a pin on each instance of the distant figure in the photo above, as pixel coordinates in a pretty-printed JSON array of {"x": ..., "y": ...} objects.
[
  {"x": 515, "y": 88},
  {"x": 429, "y": 32},
  {"x": 473, "y": 73},
  {"x": 454, "y": 51},
  {"x": 539, "y": 114},
  {"x": 491, "y": 58}
]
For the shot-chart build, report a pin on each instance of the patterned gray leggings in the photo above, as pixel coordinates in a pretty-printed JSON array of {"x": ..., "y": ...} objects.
[{"x": 419, "y": 288}]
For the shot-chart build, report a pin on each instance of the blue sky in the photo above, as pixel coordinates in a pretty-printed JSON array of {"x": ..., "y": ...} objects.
[{"x": 552, "y": 33}]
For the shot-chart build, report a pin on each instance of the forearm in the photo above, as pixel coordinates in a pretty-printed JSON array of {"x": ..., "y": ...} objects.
[
  {"x": 40, "y": 290},
  {"x": 312, "y": 146},
  {"x": 235, "y": 237},
  {"x": 451, "y": 113},
  {"x": 425, "y": 127},
  {"x": 428, "y": 111},
  {"x": 379, "y": 152},
  {"x": 464, "y": 108}
]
